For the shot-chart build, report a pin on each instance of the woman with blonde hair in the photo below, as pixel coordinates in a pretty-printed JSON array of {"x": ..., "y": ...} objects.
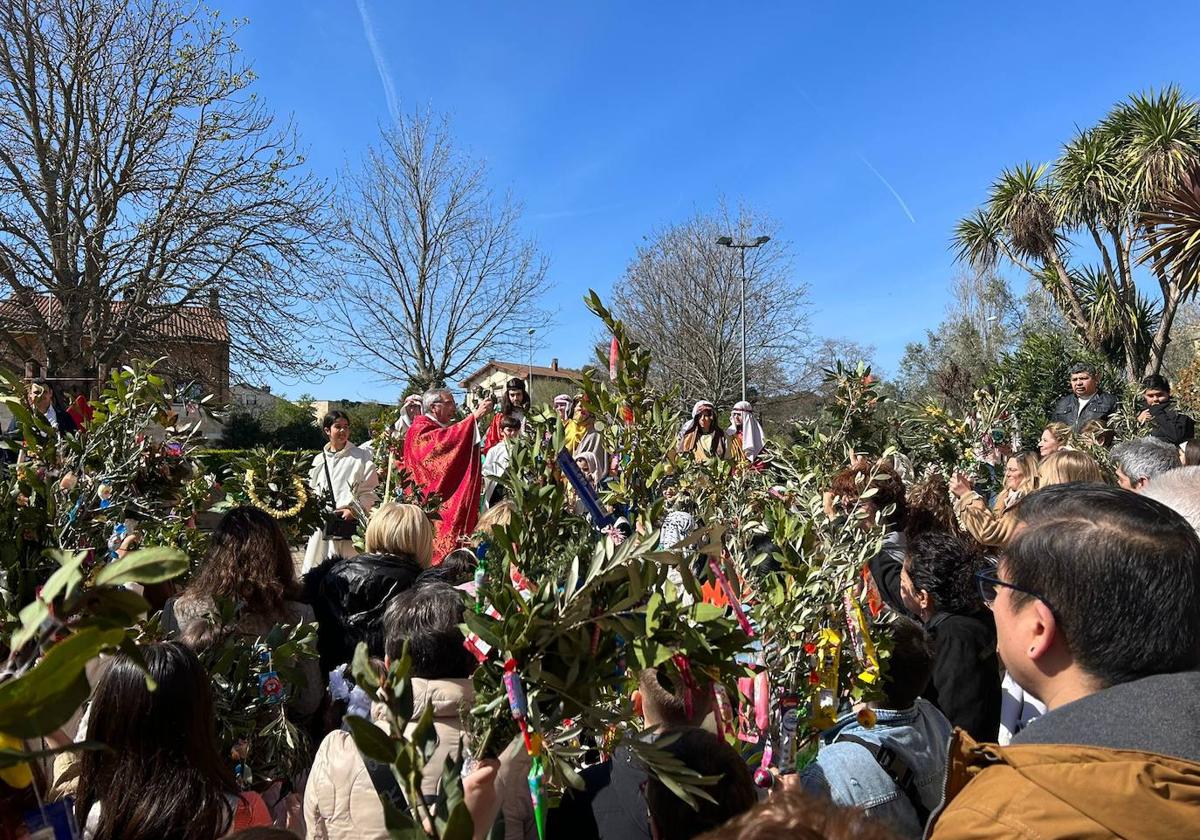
[
  {"x": 349, "y": 594},
  {"x": 996, "y": 529},
  {"x": 1068, "y": 465},
  {"x": 1054, "y": 437}
]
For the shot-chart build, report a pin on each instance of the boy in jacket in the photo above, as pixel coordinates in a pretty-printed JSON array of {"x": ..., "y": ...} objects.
[
  {"x": 1165, "y": 422},
  {"x": 1097, "y": 605}
]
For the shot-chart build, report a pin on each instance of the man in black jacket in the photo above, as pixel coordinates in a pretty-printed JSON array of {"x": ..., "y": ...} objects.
[
  {"x": 1085, "y": 403},
  {"x": 612, "y": 805},
  {"x": 1165, "y": 422}
]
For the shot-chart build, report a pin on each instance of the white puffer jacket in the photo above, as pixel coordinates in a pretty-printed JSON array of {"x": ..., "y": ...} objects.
[{"x": 340, "y": 803}]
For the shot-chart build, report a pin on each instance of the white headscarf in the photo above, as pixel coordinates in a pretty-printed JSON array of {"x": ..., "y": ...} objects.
[
  {"x": 752, "y": 433},
  {"x": 696, "y": 409}
]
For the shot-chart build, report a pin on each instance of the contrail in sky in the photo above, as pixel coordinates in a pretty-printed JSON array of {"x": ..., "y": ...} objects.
[
  {"x": 385, "y": 75},
  {"x": 891, "y": 189}
]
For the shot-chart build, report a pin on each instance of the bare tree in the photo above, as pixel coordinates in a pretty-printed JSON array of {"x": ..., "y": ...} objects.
[
  {"x": 439, "y": 276},
  {"x": 681, "y": 297},
  {"x": 138, "y": 175}
]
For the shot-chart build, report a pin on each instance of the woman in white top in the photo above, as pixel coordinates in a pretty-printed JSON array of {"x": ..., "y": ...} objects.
[{"x": 352, "y": 473}]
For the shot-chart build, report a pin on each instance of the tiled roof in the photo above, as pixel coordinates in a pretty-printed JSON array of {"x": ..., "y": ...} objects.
[
  {"x": 190, "y": 322},
  {"x": 520, "y": 370}
]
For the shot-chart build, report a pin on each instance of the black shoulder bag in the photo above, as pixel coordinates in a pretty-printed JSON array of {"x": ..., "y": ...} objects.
[{"x": 337, "y": 527}]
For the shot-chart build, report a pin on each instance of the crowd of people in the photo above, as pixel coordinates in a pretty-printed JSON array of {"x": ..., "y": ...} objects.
[{"x": 1044, "y": 641}]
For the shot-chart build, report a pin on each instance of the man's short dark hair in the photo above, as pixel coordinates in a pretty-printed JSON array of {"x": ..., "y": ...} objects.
[
  {"x": 665, "y": 693},
  {"x": 909, "y": 666},
  {"x": 427, "y": 617},
  {"x": 1120, "y": 572},
  {"x": 708, "y": 755},
  {"x": 1084, "y": 367},
  {"x": 1156, "y": 382},
  {"x": 510, "y": 423}
]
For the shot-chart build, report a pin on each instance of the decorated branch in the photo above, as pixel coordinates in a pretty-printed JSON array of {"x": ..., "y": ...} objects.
[
  {"x": 82, "y": 611},
  {"x": 128, "y": 477},
  {"x": 253, "y": 679}
]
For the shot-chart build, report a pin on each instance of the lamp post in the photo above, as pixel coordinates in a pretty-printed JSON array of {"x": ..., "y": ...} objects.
[
  {"x": 530, "y": 383},
  {"x": 728, "y": 242}
]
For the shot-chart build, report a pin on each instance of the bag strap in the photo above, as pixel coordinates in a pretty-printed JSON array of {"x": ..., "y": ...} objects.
[
  {"x": 897, "y": 769},
  {"x": 385, "y": 784},
  {"x": 329, "y": 481}
]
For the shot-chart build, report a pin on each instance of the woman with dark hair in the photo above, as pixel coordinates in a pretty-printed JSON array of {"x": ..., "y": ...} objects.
[
  {"x": 162, "y": 777},
  {"x": 885, "y": 504},
  {"x": 249, "y": 563},
  {"x": 344, "y": 478},
  {"x": 1190, "y": 453},
  {"x": 938, "y": 587},
  {"x": 703, "y": 439},
  {"x": 514, "y": 404}
]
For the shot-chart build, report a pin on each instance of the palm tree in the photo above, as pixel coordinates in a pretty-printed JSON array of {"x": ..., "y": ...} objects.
[{"x": 1120, "y": 186}]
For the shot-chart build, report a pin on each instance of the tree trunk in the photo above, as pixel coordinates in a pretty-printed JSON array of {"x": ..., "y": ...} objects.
[{"x": 1162, "y": 337}]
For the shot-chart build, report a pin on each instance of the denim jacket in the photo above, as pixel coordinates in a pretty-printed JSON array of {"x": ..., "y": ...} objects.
[{"x": 848, "y": 773}]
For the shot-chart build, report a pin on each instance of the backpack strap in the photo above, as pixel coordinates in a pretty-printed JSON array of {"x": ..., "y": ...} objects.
[
  {"x": 385, "y": 784},
  {"x": 897, "y": 769}
]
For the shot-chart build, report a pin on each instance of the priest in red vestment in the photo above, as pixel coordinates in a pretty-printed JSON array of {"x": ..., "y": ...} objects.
[{"x": 443, "y": 457}]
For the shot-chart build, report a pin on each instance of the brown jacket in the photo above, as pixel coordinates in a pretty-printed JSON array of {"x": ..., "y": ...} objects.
[
  {"x": 1064, "y": 790},
  {"x": 985, "y": 525}
]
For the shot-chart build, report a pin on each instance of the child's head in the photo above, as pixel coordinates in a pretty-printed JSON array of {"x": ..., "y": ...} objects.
[
  {"x": 1156, "y": 389},
  {"x": 510, "y": 428},
  {"x": 427, "y": 617}
]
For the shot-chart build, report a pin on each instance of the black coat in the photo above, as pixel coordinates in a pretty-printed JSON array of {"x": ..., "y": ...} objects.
[
  {"x": 610, "y": 806},
  {"x": 1168, "y": 424},
  {"x": 966, "y": 672},
  {"x": 1066, "y": 410},
  {"x": 349, "y": 595}
]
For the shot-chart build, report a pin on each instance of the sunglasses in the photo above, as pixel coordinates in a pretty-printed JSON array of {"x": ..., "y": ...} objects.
[{"x": 986, "y": 582}]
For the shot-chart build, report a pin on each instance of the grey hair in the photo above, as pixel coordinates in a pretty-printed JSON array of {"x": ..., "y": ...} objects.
[
  {"x": 433, "y": 396},
  {"x": 1180, "y": 491},
  {"x": 1146, "y": 458}
]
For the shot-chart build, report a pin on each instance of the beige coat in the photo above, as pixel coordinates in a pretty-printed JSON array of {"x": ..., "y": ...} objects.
[{"x": 340, "y": 802}]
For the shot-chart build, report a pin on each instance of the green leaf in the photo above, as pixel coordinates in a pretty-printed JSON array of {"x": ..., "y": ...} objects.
[
  {"x": 361, "y": 667},
  {"x": 652, "y": 608},
  {"x": 66, "y": 577},
  {"x": 372, "y": 741},
  {"x": 424, "y": 735},
  {"x": 459, "y": 826},
  {"x": 11, "y": 758},
  {"x": 703, "y": 612},
  {"x": 146, "y": 565},
  {"x": 40, "y": 701}
]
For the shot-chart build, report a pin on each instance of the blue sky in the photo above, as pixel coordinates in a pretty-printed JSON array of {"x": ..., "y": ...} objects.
[{"x": 610, "y": 119}]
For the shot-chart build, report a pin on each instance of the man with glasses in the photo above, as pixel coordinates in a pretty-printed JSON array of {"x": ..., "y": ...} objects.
[{"x": 1097, "y": 607}]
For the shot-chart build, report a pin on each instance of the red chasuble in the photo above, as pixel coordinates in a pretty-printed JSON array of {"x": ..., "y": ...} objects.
[{"x": 446, "y": 461}]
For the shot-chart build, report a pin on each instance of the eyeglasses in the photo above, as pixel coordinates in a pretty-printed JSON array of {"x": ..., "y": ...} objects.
[{"x": 987, "y": 582}]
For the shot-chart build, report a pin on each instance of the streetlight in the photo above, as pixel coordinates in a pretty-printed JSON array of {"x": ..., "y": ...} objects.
[
  {"x": 531, "y": 365},
  {"x": 728, "y": 242}
]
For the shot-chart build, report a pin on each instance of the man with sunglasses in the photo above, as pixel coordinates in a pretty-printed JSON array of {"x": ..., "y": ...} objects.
[{"x": 1097, "y": 607}]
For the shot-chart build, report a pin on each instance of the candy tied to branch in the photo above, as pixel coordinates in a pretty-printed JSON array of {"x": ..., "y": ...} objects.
[
  {"x": 518, "y": 705},
  {"x": 861, "y": 644}
]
